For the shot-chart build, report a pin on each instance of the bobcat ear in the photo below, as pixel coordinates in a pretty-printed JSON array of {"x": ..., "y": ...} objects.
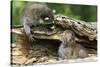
[{"x": 54, "y": 11}]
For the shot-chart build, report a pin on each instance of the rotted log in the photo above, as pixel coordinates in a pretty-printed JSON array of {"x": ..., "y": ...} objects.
[
  {"x": 41, "y": 50},
  {"x": 85, "y": 34}
]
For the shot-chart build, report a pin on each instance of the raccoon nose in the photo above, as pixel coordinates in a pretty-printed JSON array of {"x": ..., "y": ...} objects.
[{"x": 49, "y": 24}]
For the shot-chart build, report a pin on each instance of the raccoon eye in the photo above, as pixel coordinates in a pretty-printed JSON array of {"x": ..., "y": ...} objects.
[{"x": 46, "y": 18}]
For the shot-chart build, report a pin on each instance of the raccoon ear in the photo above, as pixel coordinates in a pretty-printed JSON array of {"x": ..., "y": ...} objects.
[{"x": 54, "y": 11}]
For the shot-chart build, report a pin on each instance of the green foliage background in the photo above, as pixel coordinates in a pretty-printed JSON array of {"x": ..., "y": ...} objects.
[{"x": 82, "y": 12}]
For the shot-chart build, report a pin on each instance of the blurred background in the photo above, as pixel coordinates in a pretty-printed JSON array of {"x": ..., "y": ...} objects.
[{"x": 86, "y": 13}]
